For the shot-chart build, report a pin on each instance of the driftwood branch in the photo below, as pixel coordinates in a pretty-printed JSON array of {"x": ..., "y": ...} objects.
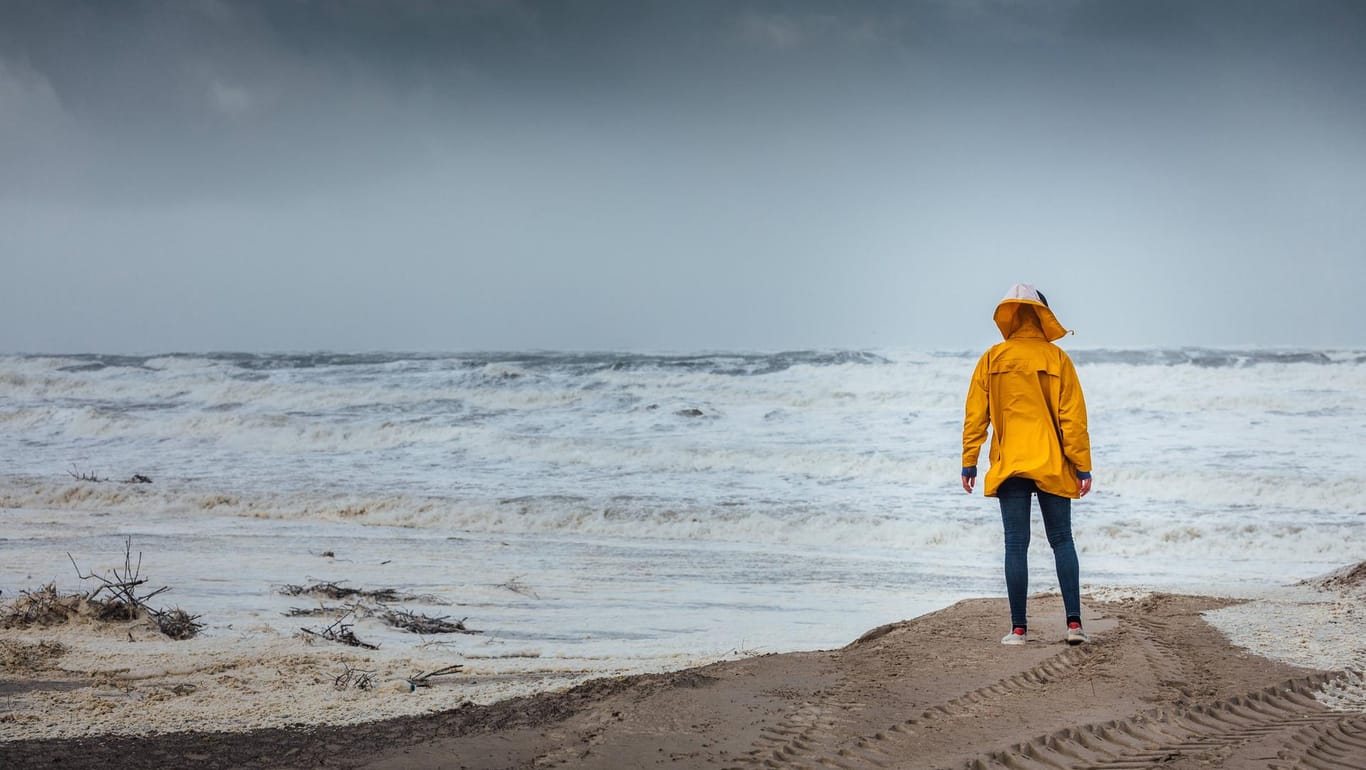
[
  {"x": 340, "y": 632},
  {"x": 124, "y": 603},
  {"x": 121, "y": 585},
  {"x": 424, "y": 680},
  {"x": 425, "y": 624},
  {"x": 516, "y": 586}
]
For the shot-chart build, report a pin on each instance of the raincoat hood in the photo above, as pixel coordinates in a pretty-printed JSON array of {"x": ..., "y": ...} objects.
[{"x": 1013, "y": 322}]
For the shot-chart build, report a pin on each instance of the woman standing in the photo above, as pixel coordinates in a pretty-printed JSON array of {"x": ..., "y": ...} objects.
[{"x": 1026, "y": 389}]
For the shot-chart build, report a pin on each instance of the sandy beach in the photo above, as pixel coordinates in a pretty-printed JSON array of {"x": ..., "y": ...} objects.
[{"x": 1171, "y": 681}]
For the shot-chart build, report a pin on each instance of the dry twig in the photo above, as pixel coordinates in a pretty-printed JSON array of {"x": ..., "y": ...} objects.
[
  {"x": 424, "y": 680},
  {"x": 351, "y": 677},
  {"x": 340, "y": 632},
  {"x": 124, "y": 603},
  {"x": 516, "y": 586},
  {"x": 80, "y": 475}
]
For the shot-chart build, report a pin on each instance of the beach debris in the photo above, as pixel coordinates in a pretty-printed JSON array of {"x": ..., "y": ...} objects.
[
  {"x": 334, "y": 590},
  {"x": 313, "y": 612},
  {"x": 80, "y": 475},
  {"x": 122, "y": 586},
  {"x": 125, "y": 604},
  {"x": 116, "y": 599},
  {"x": 177, "y": 623},
  {"x": 340, "y": 631},
  {"x": 516, "y": 586},
  {"x": 425, "y": 680},
  {"x": 425, "y": 624},
  {"x": 437, "y": 641},
  {"x": 354, "y": 678},
  {"x": 44, "y": 606}
]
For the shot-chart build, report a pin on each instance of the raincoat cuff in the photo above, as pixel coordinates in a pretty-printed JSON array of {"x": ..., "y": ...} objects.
[
  {"x": 1083, "y": 475},
  {"x": 971, "y": 472}
]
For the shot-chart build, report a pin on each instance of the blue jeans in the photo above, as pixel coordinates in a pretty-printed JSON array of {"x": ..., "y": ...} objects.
[{"x": 1014, "y": 495}]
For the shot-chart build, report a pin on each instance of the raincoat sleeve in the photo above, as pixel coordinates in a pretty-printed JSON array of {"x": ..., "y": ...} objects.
[
  {"x": 976, "y": 416},
  {"x": 1076, "y": 441}
]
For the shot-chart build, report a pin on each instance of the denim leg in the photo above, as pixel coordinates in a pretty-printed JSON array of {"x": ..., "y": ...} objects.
[
  {"x": 1057, "y": 522},
  {"x": 1015, "y": 518}
]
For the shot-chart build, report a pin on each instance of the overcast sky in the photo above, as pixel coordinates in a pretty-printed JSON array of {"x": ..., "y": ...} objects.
[{"x": 200, "y": 175}]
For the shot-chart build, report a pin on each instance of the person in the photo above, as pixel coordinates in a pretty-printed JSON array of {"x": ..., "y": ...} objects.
[{"x": 1026, "y": 390}]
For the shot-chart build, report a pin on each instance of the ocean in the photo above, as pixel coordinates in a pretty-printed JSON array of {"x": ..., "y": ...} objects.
[{"x": 638, "y": 512}]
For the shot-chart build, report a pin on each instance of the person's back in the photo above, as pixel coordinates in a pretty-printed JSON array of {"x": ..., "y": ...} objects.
[{"x": 1025, "y": 388}]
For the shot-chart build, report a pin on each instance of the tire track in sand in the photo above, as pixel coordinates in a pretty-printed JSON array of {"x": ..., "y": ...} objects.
[
  {"x": 809, "y": 735},
  {"x": 1336, "y": 745},
  {"x": 800, "y": 732},
  {"x": 1154, "y": 737},
  {"x": 1155, "y": 642}
]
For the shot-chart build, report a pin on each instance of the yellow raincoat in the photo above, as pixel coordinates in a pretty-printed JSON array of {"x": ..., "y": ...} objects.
[{"x": 1026, "y": 389}]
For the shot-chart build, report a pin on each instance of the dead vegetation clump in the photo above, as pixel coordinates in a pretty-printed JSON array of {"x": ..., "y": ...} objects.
[
  {"x": 177, "y": 623},
  {"x": 425, "y": 624},
  {"x": 354, "y": 678},
  {"x": 406, "y": 620},
  {"x": 115, "y": 599},
  {"x": 44, "y": 606},
  {"x": 333, "y": 590},
  {"x": 366, "y": 603},
  {"x": 342, "y": 632},
  {"x": 322, "y": 610}
]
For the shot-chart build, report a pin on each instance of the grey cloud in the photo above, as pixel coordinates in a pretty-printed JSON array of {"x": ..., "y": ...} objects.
[{"x": 664, "y": 174}]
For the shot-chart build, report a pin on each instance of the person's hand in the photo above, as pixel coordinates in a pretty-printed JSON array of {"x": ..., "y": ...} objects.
[
  {"x": 1085, "y": 485},
  {"x": 970, "y": 481}
]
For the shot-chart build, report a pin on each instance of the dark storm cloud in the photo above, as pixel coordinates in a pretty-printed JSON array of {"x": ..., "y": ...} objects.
[
  {"x": 675, "y": 174},
  {"x": 178, "y": 88}
]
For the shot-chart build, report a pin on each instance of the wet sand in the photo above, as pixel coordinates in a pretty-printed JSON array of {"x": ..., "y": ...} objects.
[{"x": 1158, "y": 686}]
